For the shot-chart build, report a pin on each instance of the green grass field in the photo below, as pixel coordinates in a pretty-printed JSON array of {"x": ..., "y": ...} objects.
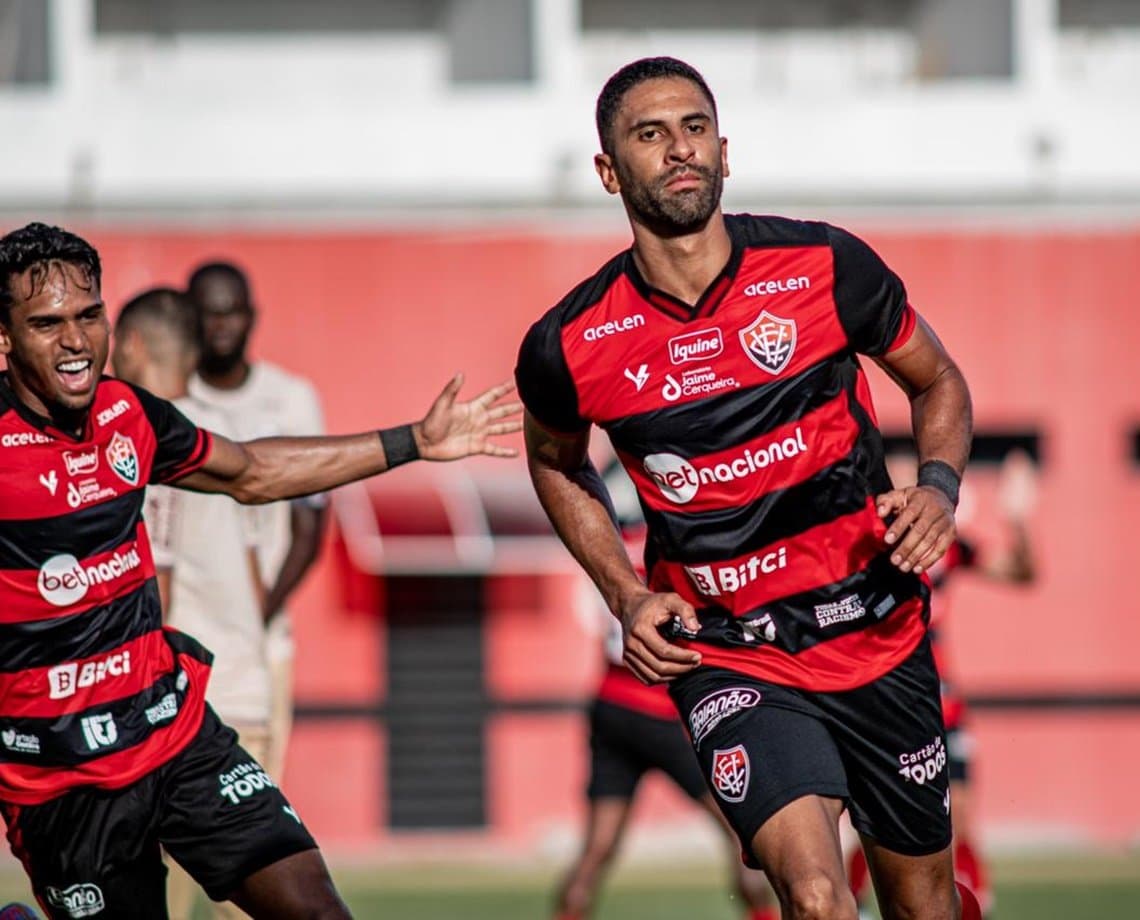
[{"x": 1054, "y": 888}]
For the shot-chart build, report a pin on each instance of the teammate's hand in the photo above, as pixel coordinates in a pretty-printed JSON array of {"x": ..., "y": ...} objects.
[
  {"x": 646, "y": 652},
  {"x": 923, "y": 528},
  {"x": 452, "y": 430}
]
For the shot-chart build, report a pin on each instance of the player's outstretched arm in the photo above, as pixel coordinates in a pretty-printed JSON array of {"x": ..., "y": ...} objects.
[
  {"x": 575, "y": 500},
  {"x": 272, "y": 469},
  {"x": 923, "y": 526}
]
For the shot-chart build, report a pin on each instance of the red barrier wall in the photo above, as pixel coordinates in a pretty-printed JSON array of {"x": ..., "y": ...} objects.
[{"x": 1045, "y": 327}]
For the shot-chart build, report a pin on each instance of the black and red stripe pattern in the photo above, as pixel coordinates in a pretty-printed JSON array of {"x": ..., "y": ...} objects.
[
  {"x": 93, "y": 689},
  {"x": 746, "y": 424}
]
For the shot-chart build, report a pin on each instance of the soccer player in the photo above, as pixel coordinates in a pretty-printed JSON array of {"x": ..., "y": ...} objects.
[
  {"x": 1012, "y": 563},
  {"x": 784, "y": 603},
  {"x": 635, "y": 728},
  {"x": 262, "y": 400},
  {"x": 203, "y": 545},
  {"x": 108, "y": 748}
]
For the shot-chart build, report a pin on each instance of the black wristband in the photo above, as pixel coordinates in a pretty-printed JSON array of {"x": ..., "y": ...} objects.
[
  {"x": 942, "y": 476},
  {"x": 399, "y": 445}
]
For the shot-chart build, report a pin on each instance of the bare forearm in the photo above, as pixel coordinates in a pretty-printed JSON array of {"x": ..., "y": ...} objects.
[
  {"x": 275, "y": 469},
  {"x": 942, "y": 417},
  {"x": 576, "y": 503}
]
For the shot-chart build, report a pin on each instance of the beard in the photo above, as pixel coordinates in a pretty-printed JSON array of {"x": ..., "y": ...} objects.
[
  {"x": 672, "y": 213},
  {"x": 217, "y": 364}
]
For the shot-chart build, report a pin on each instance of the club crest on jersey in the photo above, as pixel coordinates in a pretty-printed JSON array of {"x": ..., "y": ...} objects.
[
  {"x": 730, "y": 773},
  {"x": 769, "y": 341},
  {"x": 123, "y": 458}
]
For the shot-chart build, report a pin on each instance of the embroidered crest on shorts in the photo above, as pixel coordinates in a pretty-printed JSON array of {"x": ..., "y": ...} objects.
[
  {"x": 730, "y": 773},
  {"x": 769, "y": 341}
]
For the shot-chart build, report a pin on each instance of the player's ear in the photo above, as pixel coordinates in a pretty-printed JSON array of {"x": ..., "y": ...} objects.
[
  {"x": 724, "y": 157},
  {"x": 5, "y": 339},
  {"x": 604, "y": 165}
]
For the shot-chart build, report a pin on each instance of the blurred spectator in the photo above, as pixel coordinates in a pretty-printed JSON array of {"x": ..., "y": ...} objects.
[
  {"x": 203, "y": 544},
  {"x": 261, "y": 400}
]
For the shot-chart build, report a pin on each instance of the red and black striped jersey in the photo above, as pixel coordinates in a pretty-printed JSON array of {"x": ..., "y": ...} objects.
[
  {"x": 93, "y": 690},
  {"x": 746, "y": 424}
]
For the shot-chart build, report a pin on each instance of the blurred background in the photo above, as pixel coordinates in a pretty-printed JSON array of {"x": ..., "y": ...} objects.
[{"x": 410, "y": 184}]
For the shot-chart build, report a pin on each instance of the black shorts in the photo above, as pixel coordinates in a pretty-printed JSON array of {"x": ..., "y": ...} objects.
[
  {"x": 95, "y": 852},
  {"x": 880, "y": 748},
  {"x": 624, "y": 744}
]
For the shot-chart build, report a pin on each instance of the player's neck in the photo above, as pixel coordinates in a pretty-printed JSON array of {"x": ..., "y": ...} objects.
[
  {"x": 229, "y": 378},
  {"x": 683, "y": 266}
]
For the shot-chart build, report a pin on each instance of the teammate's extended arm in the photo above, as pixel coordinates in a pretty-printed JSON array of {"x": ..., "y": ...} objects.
[
  {"x": 941, "y": 415},
  {"x": 272, "y": 469},
  {"x": 572, "y": 493},
  {"x": 306, "y": 526}
]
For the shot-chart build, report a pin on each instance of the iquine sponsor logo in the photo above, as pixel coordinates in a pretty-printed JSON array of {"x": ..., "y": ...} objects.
[{"x": 696, "y": 346}]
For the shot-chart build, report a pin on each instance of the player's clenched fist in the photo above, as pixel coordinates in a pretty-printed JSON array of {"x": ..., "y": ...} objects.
[{"x": 647, "y": 653}]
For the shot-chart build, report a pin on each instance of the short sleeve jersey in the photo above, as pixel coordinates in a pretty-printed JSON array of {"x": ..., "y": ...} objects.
[
  {"x": 747, "y": 426},
  {"x": 206, "y": 542},
  {"x": 93, "y": 690}
]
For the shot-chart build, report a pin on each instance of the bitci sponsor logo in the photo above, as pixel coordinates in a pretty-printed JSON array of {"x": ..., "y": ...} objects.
[
  {"x": 679, "y": 479},
  {"x": 65, "y": 679},
  {"x": 715, "y": 580}
]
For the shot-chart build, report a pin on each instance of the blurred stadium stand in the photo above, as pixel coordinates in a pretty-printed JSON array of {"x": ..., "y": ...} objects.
[
  {"x": 136, "y": 104},
  {"x": 409, "y": 185}
]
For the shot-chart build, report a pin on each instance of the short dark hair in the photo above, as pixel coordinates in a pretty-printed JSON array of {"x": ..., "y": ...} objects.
[
  {"x": 208, "y": 271},
  {"x": 38, "y": 246},
  {"x": 166, "y": 307},
  {"x": 631, "y": 75}
]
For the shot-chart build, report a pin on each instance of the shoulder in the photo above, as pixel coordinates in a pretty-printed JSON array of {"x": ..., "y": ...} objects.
[{"x": 767, "y": 230}]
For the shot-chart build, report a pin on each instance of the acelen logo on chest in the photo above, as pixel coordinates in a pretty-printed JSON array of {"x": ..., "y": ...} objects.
[{"x": 614, "y": 327}]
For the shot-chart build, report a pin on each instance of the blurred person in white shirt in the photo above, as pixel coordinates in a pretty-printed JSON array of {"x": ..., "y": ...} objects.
[
  {"x": 261, "y": 399},
  {"x": 203, "y": 545}
]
